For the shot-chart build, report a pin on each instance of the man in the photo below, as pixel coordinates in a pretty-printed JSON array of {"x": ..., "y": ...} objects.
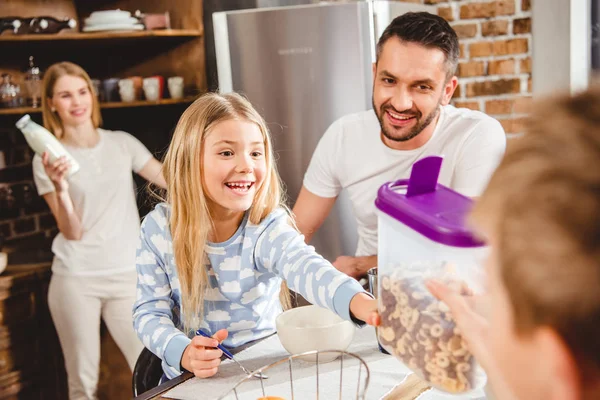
[{"x": 414, "y": 80}]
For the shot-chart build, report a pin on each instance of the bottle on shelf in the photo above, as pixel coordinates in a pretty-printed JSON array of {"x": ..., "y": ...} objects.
[
  {"x": 41, "y": 140},
  {"x": 10, "y": 23},
  {"x": 33, "y": 83},
  {"x": 10, "y": 93},
  {"x": 45, "y": 24}
]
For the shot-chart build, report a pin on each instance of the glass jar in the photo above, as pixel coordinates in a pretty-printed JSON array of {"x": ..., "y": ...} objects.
[
  {"x": 10, "y": 93},
  {"x": 33, "y": 83}
]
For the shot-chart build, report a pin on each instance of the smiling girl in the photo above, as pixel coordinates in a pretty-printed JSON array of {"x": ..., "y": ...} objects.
[
  {"x": 215, "y": 253},
  {"x": 93, "y": 273}
]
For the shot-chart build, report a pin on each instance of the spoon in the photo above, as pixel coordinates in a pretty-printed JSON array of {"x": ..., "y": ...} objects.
[{"x": 227, "y": 354}]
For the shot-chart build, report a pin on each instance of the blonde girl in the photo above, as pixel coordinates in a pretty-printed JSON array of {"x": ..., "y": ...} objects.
[{"x": 215, "y": 253}]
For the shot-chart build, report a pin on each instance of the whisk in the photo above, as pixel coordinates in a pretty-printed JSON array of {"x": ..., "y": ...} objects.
[{"x": 242, "y": 390}]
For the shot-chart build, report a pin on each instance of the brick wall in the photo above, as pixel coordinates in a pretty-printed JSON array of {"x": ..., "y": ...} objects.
[{"x": 495, "y": 56}]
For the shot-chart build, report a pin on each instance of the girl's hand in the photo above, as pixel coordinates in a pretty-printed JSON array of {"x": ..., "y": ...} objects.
[
  {"x": 201, "y": 357},
  {"x": 57, "y": 172},
  {"x": 364, "y": 307}
]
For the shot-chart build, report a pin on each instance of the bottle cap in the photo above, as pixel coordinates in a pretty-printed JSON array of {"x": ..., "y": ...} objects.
[{"x": 21, "y": 123}]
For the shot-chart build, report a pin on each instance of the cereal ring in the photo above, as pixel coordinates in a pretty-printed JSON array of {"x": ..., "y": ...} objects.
[
  {"x": 441, "y": 306},
  {"x": 463, "y": 367},
  {"x": 387, "y": 334},
  {"x": 403, "y": 299},
  {"x": 415, "y": 316},
  {"x": 442, "y": 373},
  {"x": 442, "y": 361},
  {"x": 431, "y": 367},
  {"x": 452, "y": 385},
  {"x": 418, "y": 296},
  {"x": 385, "y": 283},
  {"x": 436, "y": 330},
  {"x": 400, "y": 348},
  {"x": 404, "y": 320}
]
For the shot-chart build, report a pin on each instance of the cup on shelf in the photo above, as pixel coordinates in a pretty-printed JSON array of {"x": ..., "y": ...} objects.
[
  {"x": 127, "y": 90},
  {"x": 152, "y": 88},
  {"x": 161, "y": 85},
  {"x": 110, "y": 88},
  {"x": 175, "y": 85},
  {"x": 137, "y": 85},
  {"x": 97, "y": 87}
]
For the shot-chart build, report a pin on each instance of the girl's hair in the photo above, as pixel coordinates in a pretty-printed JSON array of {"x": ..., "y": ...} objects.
[
  {"x": 542, "y": 207},
  {"x": 190, "y": 218},
  {"x": 52, "y": 121}
]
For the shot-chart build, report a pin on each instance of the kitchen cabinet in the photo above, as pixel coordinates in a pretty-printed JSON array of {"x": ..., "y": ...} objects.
[
  {"x": 178, "y": 51},
  {"x": 31, "y": 363}
]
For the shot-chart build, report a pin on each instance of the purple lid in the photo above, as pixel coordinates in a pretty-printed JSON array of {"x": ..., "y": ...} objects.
[{"x": 433, "y": 210}]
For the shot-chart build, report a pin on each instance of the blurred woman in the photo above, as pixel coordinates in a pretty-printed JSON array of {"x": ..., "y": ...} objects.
[{"x": 93, "y": 272}]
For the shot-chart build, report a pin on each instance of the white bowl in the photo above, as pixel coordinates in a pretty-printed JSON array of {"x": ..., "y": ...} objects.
[{"x": 311, "y": 328}]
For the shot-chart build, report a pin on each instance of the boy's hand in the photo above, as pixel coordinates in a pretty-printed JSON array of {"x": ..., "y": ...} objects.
[
  {"x": 201, "y": 357},
  {"x": 473, "y": 326},
  {"x": 364, "y": 307}
]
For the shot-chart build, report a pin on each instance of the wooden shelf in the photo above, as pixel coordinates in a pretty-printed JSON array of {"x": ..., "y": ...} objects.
[
  {"x": 166, "y": 33},
  {"x": 116, "y": 104}
]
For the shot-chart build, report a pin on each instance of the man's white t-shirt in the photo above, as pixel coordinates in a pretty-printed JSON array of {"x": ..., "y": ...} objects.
[
  {"x": 104, "y": 198},
  {"x": 352, "y": 156}
]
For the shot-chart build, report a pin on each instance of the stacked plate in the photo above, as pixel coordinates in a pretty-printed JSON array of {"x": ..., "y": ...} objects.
[{"x": 111, "y": 20}]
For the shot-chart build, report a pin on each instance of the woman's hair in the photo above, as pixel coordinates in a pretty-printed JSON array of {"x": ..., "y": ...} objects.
[
  {"x": 190, "y": 217},
  {"x": 52, "y": 121},
  {"x": 542, "y": 208}
]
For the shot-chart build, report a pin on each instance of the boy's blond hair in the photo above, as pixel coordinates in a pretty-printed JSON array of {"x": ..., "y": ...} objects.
[{"x": 542, "y": 207}]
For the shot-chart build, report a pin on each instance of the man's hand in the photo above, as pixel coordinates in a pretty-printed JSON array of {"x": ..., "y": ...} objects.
[
  {"x": 201, "y": 357},
  {"x": 364, "y": 307},
  {"x": 356, "y": 267}
]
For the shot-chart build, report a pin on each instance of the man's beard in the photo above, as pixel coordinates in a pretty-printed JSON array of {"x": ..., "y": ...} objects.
[{"x": 422, "y": 123}]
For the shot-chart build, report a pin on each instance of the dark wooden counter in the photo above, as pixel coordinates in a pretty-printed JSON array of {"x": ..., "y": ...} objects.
[{"x": 31, "y": 361}]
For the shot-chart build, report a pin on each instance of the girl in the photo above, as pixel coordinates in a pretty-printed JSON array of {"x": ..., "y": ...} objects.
[
  {"x": 541, "y": 214},
  {"x": 214, "y": 255},
  {"x": 93, "y": 273}
]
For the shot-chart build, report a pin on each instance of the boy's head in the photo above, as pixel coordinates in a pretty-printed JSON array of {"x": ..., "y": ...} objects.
[{"x": 541, "y": 213}]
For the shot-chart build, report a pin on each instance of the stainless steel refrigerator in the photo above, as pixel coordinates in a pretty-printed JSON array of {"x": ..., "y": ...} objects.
[{"x": 303, "y": 67}]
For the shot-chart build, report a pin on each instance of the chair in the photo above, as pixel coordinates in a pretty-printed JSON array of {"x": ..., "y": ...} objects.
[{"x": 146, "y": 373}]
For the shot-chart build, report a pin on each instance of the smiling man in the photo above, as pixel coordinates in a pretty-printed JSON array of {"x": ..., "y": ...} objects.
[{"x": 414, "y": 79}]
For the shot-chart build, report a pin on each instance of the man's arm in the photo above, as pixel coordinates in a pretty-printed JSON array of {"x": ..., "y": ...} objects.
[
  {"x": 356, "y": 267},
  {"x": 310, "y": 211}
]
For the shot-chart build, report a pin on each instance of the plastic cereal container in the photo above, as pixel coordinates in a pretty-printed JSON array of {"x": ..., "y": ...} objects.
[{"x": 423, "y": 235}]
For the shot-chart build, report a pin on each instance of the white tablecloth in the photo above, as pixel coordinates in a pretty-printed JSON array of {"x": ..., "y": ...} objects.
[{"x": 385, "y": 373}]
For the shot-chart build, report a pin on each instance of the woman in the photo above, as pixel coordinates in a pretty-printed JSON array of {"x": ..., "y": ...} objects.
[{"x": 95, "y": 209}]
